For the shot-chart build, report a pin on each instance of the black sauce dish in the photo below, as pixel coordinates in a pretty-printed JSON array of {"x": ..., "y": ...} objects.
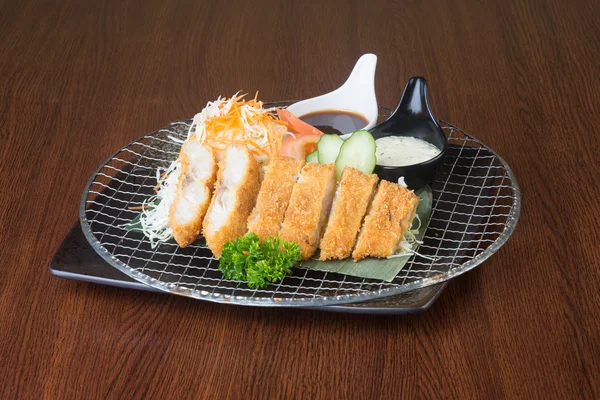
[{"x": 413, "y": 117}]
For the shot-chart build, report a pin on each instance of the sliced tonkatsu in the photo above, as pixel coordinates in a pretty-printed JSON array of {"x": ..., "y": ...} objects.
[
  {"x": 389, "y": 217},
  {"x": 194, "y": 188},
  {"x": 274, "y": 196},
  {"x": 235, "y": 194},
  {"x": 352, "y": 197},
  {"x": 307, "y": 213}
]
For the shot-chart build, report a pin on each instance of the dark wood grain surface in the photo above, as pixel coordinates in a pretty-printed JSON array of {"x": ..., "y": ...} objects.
[{"x": 79, "y": 79}]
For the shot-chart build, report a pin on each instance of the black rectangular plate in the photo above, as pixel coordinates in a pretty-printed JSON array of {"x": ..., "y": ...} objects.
[{"x": 75, "y": 259}]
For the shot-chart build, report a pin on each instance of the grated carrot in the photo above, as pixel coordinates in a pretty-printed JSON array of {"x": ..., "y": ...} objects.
[
  {"x": 138, "y": 208},
  {"x": 238, "y": 121}
]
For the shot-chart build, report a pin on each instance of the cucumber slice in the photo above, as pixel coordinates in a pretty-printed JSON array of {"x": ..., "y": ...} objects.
[
  {"x": 329, "y": 147},
  {"x": 358, "y": 151},
  {"x": 313, "y": 157}
]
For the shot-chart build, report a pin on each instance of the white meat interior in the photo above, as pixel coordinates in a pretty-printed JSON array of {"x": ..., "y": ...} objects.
[
  {"x": 194, "y": 191},
  {"x": 235, "y": 165}
]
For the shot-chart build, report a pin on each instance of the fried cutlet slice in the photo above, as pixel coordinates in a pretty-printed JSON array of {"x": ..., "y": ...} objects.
[
  {"x": 353, "y": 195},
  {"x": 194, "y": 188},
  {"x": 235, "y": 193},
  {"x": 309, "y": 207},
  {"x": 389, "y": 216},
  {"x": 274, "y": 196}
]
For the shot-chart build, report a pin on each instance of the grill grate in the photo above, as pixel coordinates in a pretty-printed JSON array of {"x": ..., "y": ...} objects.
[{"x": 475, "y": 209}]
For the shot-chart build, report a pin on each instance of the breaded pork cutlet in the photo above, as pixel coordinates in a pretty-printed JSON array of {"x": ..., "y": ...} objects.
[
  {"x": 274, "y": 196},
  {"x": 353, "y": 195},
  {"x": 194, "y": 189},
  {"x": 389, "y": 216},
  {"x": 235, "y": 193},
  {"x": 309, "y": 207}
]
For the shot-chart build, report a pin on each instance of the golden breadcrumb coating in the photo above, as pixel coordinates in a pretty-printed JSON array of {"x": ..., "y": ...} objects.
[
  {"x": 309, "y": 207},
  {"x": 388, "y": 218},
  {"x": 274, "y": 196},
  {"x": 186, "y": 233},
  {"x": 233, "y": 202},
  {"x": 353, "y": 195}
]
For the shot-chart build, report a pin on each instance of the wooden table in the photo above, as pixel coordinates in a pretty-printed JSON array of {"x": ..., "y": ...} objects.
[{"x": 78, "y": 80}]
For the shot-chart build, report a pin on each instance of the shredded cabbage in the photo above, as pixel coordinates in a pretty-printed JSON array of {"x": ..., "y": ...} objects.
[
  {"x": 154, "y": 217},
  {"x": 409, "y": 243}
]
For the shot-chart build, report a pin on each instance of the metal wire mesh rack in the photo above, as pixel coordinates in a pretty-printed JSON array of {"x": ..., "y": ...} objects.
[{"x": 475, "y": 209}]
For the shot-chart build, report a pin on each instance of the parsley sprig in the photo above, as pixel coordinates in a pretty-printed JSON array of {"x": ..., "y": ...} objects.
[{"x": 258, "y": 263}]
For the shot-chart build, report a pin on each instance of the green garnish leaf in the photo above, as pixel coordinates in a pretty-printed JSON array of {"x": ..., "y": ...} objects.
[
  {"x": 237, "y": 255},
  {"x": 247, "y": 259}
]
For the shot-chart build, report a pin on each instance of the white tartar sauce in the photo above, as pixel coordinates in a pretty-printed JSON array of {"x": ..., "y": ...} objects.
[{"x": 398, "y": 151}]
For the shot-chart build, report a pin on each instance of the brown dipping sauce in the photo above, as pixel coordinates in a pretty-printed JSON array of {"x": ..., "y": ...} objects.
[{"x": 335, "y": 122}]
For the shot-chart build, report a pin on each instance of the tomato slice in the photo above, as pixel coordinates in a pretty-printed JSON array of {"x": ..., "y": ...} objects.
[
  {"x": 298, "y": 126},
  {"x": 300, "y": 146}
]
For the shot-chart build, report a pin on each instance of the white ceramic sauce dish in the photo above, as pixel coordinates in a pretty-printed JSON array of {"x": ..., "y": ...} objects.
[{"x": 356, "y": 95}]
